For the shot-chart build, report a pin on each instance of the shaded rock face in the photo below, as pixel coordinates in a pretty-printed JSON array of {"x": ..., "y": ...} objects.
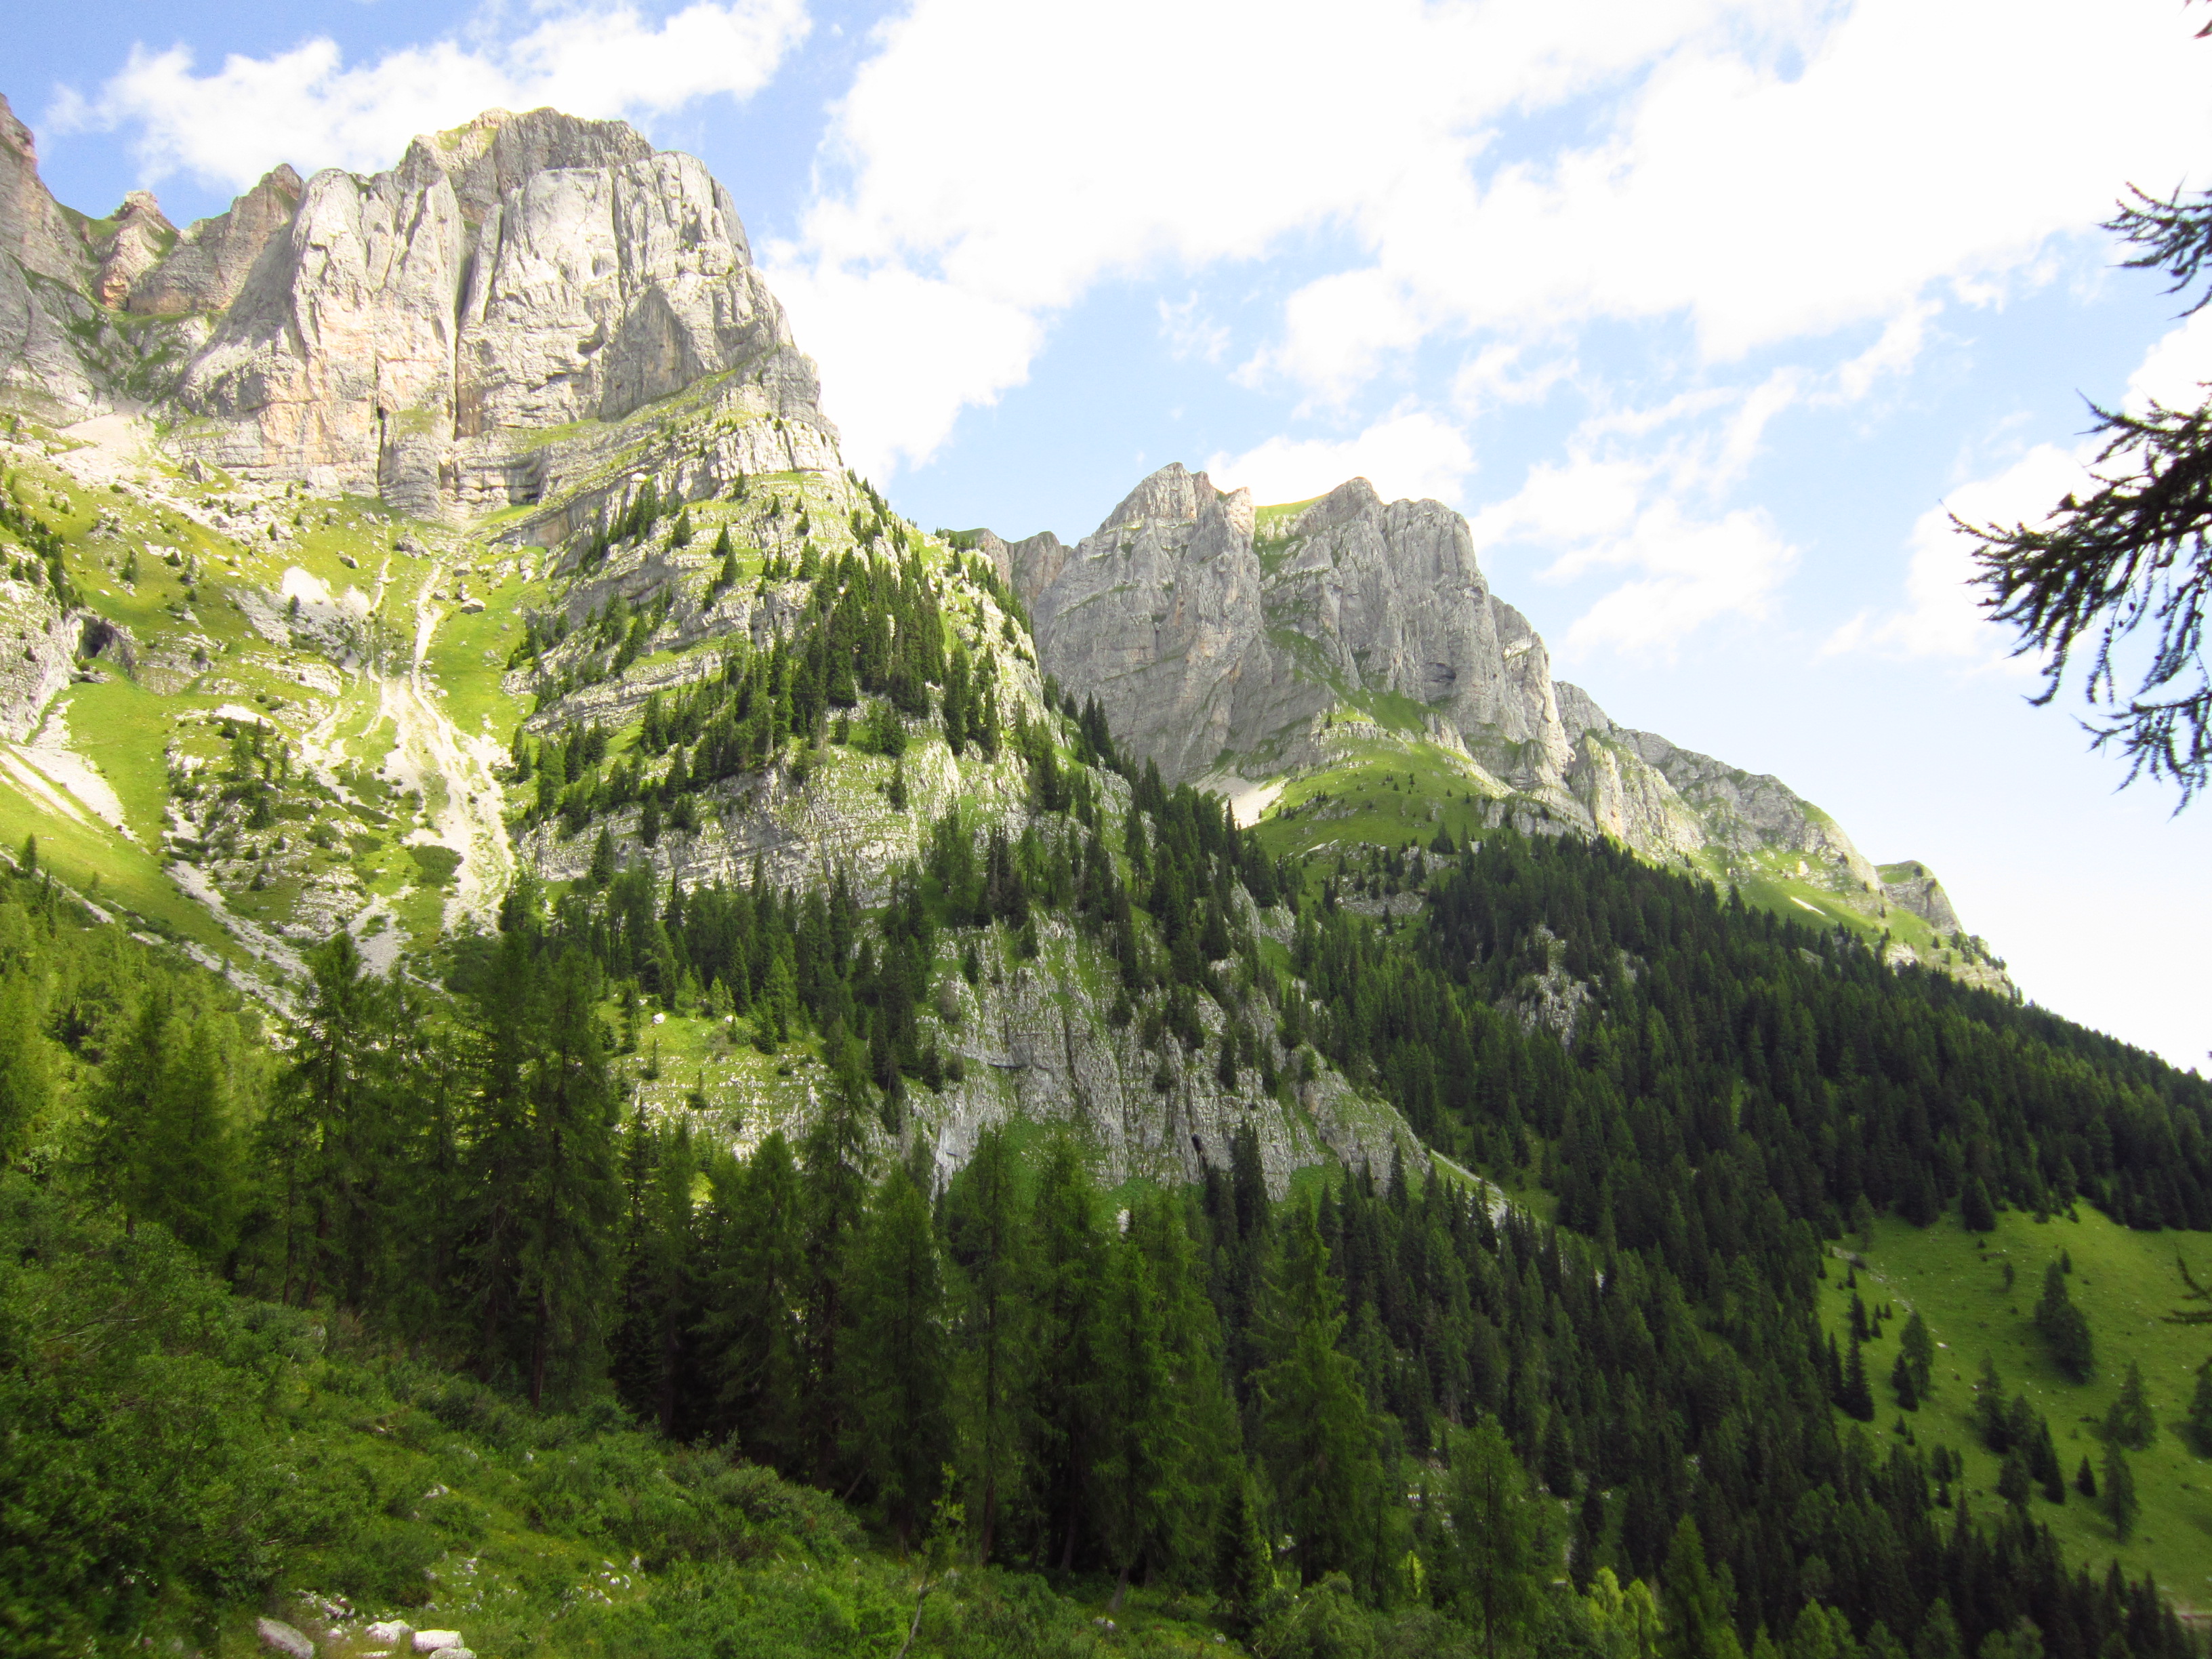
[
  {"x": 212, "y": 257},
  {"x": 409, "y": 329}
]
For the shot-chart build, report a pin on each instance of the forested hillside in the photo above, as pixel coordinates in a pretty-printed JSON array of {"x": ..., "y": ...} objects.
[{"x": 1388, "y": 1409}]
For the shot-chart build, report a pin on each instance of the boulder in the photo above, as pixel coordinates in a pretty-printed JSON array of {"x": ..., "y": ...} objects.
[
  {"x": 277, "y": 1637},
  {"x": 392, "y": 1632},
  {"x": 436, "y": 1641}
]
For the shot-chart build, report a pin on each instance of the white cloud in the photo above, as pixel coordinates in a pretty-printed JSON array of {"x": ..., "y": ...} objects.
[
  {"x": 1768, "y": 171},
  {"x": 2173, "y": 372},
  {"x": 1692, "y": 572},
  {"x": 307, "y": 106},
  {"x": 1941, "y": 616},
  {"x": 1920, "y": 147},
  {"x": 1501, "y": 372},
  {"x": 896, "y": 339},
  {"x": 1410, "y": 454}
]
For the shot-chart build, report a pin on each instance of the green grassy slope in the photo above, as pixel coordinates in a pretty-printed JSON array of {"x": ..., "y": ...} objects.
[{"x": 2124, "y": 1282}]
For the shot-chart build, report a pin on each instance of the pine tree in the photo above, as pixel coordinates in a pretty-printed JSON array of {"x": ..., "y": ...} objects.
[
  {"x": 1502, "y": 1552},
  {"x": 897, "y": 1370},
  {"x": 2131, "y": 1422},
  {"x": 987, "y": 1230},
  {"x": 164, "y": 1146},
  {"x": 26, "y": 1064},
  {"x": 1698, "y": 1624},
  {"x": 1900, "y": 1380},
  {"x": 2064, "y": 1327},
  {"x": 1315, "y": 1431},
  {"x": 2085, "y": 1480}
]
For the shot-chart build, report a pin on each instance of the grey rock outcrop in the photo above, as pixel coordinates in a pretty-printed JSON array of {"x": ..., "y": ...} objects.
[
  {"x": 279, "y": 1637},
  {"x": 1209, "y": 639},
  {"x": 1912, "y": 886}
]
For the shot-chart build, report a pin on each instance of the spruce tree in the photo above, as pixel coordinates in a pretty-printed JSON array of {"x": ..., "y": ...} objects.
[
  {"x": 1918, "y": 1350},
  {"x": 1064, "y": 1252},
  {"x": 1244, "y": 1565},
  {"x": 1137, "y": 1474},
  {"x": 1900, "y": 1380},
  {"x": 2197, "y": 1427},
  {"x": 1856, "y": 1396},
  {"x": 1315, "y": 1431},
  {"x": 1695, "y": 1604},
  {"x": 2064, "y": 1327},
  {"x": 987, "y": 1230},
  {"x": 898, "y": 1370},
  {"x": 836, "y": 1201},
  {"x": 1976, "y": 1213},
  {"x": 2131, "y": 1422},
  {"x": 757, "y": 1279},
  {"x": 572, "y": 1192}
]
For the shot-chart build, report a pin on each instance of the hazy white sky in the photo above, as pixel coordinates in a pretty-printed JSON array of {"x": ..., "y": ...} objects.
[{"x": 1704, "y": 311}]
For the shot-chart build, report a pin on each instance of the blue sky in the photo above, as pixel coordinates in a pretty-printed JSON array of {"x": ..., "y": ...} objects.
[{"x": 1702, "y": 311}]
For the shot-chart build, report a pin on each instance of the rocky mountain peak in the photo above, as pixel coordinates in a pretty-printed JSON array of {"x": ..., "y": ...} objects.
[
  {"x": 1173, "y": 496},
  {"x": 414, "y": 333},
  {"x": 1247, "y": 648}
]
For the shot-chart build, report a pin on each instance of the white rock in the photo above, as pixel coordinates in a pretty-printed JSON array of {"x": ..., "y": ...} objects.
[
  {"x": 280, "y": 1638},
  {"x": 436, "y": 1641},
  {"x": 395, "y": 1631}
]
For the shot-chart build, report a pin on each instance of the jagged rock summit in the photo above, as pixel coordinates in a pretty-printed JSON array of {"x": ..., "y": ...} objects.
[
  {"x": 455, "y": 335},
  {"x": 1241, "y": 645}
]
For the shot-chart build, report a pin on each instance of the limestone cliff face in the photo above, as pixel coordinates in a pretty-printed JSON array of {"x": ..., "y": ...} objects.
[
  {"x": 410, "y": 333},
  {"x": 53, "y": 340}
]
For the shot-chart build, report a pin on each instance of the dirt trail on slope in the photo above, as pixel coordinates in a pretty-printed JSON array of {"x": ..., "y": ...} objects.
[{"x": 427, "y": 747}]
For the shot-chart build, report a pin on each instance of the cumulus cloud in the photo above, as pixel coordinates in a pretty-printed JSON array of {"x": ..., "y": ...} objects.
[
  {"x": 227, "y": 126},
  {"x": 1767, "y": 171},
  {"x": 1019, "y": 155},
  {"x": 1409, "y": 454}
]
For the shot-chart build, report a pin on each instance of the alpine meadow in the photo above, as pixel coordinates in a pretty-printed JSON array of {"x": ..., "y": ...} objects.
[{"x": 610, "y": 1049}]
